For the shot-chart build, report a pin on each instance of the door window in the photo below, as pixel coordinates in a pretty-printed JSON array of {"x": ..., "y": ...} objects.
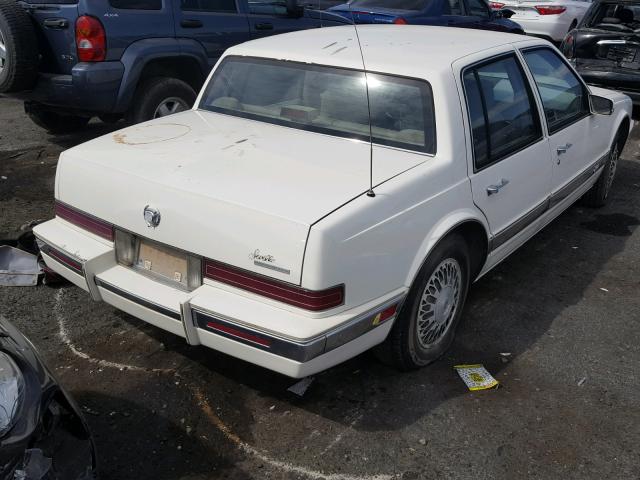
[
  {"x": 502, "y": 111},
  {"x": 477, "y": 8},
  {"x": 453, "y": 7},
  {"x": 266, "y": 7},
  {"x": 564, "y": 97},
  {"x": 208, "y": 5}
]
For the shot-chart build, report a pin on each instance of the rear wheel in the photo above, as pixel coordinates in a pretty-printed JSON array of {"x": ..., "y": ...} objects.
[
  {"x": 598, "y": 195},
  {"x": 56, "y": 123},
  {"x": 428, "y": 320},
  {"x": 18, "y": 48},
  {"x": 159, "y": 97}
]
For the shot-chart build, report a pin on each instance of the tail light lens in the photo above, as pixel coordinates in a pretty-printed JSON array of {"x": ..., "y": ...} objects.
[
  {"x": 568, "y": 46},
  {"x": 496, "y": 5},
  {"x": 314, "y": 300},
  {"x": 399, "y": 21},
  {"x": 550, "y": 9},
  {"x": 90, "y": 39},
  {"x": 84, "y": 220}
]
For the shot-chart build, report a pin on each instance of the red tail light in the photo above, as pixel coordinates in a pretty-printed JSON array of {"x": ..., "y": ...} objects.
[
  {"x": 399, "y": 21},
  {"x": 90, "y": 39},
  {"x": 550, "y": 9},
  {"x": 314, "y": 300},
  {"x": 496, "y": 5},
  {"x": 568, "y": 45},
  {"x": 84, "y": 220}
]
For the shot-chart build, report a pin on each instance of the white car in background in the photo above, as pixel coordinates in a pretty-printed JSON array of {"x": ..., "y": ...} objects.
[
  {"x": 248, "y": 225},
  {"x": 550, "y": 19}
]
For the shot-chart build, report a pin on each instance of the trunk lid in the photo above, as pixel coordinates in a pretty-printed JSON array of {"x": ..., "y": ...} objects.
[
  {"x": 55, "y": 22},
  {"x": 227, "y": 188},
  {"x": 608, "y": 58}
]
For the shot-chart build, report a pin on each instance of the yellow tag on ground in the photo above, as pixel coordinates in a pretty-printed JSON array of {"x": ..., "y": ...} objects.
[{"x": 476, "y": 377}]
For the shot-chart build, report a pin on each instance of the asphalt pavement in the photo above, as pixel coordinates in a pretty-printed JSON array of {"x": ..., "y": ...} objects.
[{"x": 557, "y": 324}]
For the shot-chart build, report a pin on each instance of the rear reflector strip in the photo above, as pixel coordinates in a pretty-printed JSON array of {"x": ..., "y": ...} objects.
[
  {"x": 300, "y": 351},
  {"x": 62, "y": 258},
  {"x": 84, "y": 220},
  {"x": 314, "y": 300},
  {"x": 234, "y": 332}
]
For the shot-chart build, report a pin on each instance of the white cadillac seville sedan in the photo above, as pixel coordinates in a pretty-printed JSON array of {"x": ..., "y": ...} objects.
[{"x": 247, "y": 223}]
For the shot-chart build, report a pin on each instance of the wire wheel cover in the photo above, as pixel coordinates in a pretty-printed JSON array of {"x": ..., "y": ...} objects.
[{"x": 439, "y": 303}]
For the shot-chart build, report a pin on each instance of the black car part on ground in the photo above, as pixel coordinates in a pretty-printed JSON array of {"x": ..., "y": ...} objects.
[
  {"x": 605, "y": 48},
  {"x": 48, "y": 437}
]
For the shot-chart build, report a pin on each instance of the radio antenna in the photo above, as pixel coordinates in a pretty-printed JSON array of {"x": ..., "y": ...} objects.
[{"x": 370, "y": 192}]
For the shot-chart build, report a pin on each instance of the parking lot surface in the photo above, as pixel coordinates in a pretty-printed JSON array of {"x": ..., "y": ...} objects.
[{"x": 557, "y": 324}]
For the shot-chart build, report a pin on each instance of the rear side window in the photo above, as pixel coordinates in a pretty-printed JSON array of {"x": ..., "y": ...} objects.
[
  {"x": 564, "y": 97},
  {"x": 325, "y": 100},
  {"x": 614, "y": 16},
  {"x": 208, "y": 5},
  {"x": 477, "y": 8},
  {"x": 136, "y": 4},
  {"x": 501, "y": 108}
]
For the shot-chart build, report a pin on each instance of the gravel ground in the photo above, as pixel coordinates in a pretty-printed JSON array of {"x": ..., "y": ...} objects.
[{"x": 565, "y": 306}]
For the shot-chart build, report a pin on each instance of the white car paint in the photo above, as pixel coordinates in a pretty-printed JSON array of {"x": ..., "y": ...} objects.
[
  {"x": 552, "y": 26},
  {"x": 227, "y": 187}
]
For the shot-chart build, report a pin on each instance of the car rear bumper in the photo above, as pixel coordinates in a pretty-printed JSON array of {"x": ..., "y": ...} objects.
[
  {"x": 220, "y": 317},
  {"x": 551, "y": 27},
  {"x": 613, "y": 81},
  {"x": 92, "y": 88}
]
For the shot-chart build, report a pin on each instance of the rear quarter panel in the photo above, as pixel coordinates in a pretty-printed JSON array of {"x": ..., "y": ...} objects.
[{"x": 377, "y": 245}]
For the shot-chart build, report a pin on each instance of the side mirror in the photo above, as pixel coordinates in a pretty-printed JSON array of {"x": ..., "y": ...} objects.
[
  {"x": 600, "y": 105},
  {"x": 505, "y": 13},
  {"x": 294, "y": 10}
]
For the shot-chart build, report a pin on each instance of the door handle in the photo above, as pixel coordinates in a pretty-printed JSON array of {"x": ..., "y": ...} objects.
[
  {"x": 563, "y": 148},
  {"x": 56, "y": 23},
  {"x": 494, "y": 189},
  {"x": 191, "y": 23},
  {"x": 264, "y": 26}
]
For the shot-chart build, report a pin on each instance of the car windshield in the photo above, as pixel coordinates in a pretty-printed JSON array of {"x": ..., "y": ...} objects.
[
  {"x": 391, "y": 4},
  {"x": 622, "y": 17},
  {"x": 325, "y": 100}
]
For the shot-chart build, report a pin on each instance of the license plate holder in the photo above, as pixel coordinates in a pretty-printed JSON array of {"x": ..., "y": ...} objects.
[{"x": 164, "y": 263}]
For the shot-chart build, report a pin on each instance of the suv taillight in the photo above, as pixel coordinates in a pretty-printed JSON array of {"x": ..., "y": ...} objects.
[
  {"x": 399, "y": 21},
  {"x": 90, "y": 39}
]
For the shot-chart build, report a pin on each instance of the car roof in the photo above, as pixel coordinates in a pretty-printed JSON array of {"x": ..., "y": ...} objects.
[{"x": 410, "y": 50}]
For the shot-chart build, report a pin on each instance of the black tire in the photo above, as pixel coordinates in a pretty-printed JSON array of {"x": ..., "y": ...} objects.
[
  {"x": 156, "y": 91},
  {"x": 19, "y": 65},
  {"x": 598, "y": 195},
  {"x": 110, "y": 118},
  {"x": 56, "y": 123},
  {"x": 402, "y": 348}
]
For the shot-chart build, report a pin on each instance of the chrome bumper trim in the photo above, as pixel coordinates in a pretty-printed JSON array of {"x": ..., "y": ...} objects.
[
  {"x": 139, "y": 300},
  {"x": 300, "y": 351}
]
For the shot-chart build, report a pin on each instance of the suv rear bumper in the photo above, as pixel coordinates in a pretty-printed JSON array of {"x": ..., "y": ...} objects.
[{"x": 92, "y": 88}]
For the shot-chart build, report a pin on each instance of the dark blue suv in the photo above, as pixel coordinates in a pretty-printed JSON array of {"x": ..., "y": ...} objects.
[
  {"x": 71, "y": 60},
  {"x": 452, "y": 13}
]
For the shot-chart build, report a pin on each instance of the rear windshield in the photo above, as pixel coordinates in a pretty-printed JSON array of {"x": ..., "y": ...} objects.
[
  {"x": 325, "y": 100},
  {"x": 621, "y": 17},
  {"x": 392, "y": 4}
]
